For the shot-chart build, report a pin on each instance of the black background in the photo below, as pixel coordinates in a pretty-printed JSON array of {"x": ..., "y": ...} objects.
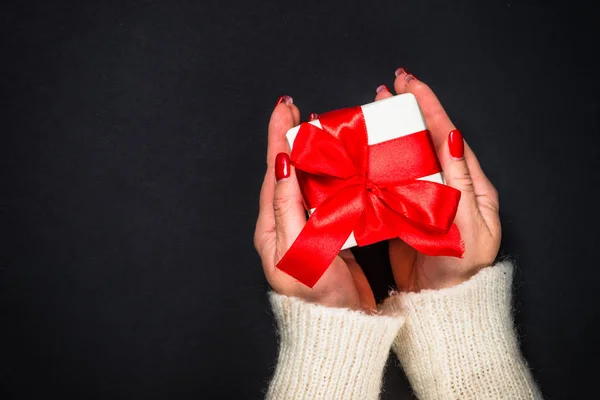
[{"x": 135, "y": 138}]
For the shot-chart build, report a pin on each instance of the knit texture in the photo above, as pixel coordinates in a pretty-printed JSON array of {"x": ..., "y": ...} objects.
[
  {"x": 460, "y": 343},
  {"x": 329, "y": 353}
]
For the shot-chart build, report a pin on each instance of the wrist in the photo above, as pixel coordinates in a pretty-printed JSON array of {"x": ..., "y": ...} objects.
[
  {"x": 445, "y": 276},
  {"x": 331, "y": 349},
  {"x": 467, "y": 331}
]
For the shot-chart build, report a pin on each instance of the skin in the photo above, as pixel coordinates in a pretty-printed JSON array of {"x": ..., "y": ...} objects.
[{"x": 281, "y": 218}]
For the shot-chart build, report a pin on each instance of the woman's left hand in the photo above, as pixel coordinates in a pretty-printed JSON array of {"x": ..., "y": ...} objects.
[{"x": 477, "y": 218}]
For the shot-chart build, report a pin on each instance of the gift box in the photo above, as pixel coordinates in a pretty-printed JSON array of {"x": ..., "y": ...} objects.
[
  {"x": 368, "y": 174},
  {"x": 385, "y": 120}
]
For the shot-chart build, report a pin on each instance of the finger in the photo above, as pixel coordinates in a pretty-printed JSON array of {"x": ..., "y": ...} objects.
[
  {"x": 382, "y": 93},
  {"x": 463, "y": 171},
  {"x": 288, "y": 207},
  {"x": 486, "y": 194},
  {"x": 477, "y": 217},
  {"x": 483, "y": 186},
  {"x": 284, "y": 116},
  {"x": 365, "y": 293},
  {"x": 295, "y": 114},
  {"x": 402, "y": 260},
  {"x": 457, "y": 175},
  {"x": 436, "y": 119},
  {"x": 282, "y": 119},
  {"x": 479, "y": 199},
  {"x": 478, "y": 204}
]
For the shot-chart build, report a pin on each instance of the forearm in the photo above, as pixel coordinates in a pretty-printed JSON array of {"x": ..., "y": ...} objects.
[
  {"x": 461, "y": 343},
  {"x": 329, "y": 353}
]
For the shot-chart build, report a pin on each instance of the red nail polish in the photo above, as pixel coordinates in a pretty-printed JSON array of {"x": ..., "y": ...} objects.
[
  {"x": 313, "y": 116},
  {"x": 285, "y": 100},
  {"x": 399, "y": 71},
  {"x": 282, "y": 166},
  {"x": 382, "y": 88},
  {"x": 456, "y": 144},
  {"x": 409, "y": 78}
]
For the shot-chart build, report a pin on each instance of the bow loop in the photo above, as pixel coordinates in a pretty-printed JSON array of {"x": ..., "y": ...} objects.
[{"x": 319, "y": 153}]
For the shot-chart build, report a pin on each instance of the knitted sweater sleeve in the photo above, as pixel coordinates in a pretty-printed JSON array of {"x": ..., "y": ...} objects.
[
  {"x": 329, "y": 353},
  {"x": 456, "y": 343},
  {"x": 460, "y": 343}
]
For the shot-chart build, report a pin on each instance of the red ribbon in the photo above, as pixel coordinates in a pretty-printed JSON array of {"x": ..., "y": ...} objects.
[{"x": 371, "y": 190}]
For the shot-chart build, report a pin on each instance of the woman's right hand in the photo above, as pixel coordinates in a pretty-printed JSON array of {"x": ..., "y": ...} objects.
[{"x": 282, "y": 217}]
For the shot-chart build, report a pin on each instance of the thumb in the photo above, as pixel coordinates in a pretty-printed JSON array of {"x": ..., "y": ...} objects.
[
  {"x": 456, "y": 173},
  {"x": 288, "y": 206}
]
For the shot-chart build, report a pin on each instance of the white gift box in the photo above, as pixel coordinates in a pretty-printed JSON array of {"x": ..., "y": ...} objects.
[{"x": 385, "y": 119}]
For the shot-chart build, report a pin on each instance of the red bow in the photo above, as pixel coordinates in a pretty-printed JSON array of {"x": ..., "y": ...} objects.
[{"x": 371, "y": 190}]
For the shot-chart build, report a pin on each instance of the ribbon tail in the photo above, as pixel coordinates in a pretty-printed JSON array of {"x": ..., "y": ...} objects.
[
  {"x": 323, "y": 236},
  {"x": 445, "y": 244},
  {"x": 432, "y": 243}
]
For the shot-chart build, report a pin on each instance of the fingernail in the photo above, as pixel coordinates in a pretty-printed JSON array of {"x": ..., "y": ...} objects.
[
  {"x": 409, "y": 78},
  {"x": 313, "y": 116},
  {"x": 399, "y": 71},
  {"x": 382, "y": 88},
  {"x": 456, "y": 144},
  {"x": 282, "y": 166},
  {"x": 285, "y": 100}
]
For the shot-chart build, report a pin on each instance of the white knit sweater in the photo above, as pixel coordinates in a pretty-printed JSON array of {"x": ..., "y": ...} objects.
[{"x": 456, "y": 343}]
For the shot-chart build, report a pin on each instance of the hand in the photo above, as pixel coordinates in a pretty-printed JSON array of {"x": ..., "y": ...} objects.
[
  {"x": 282, "y": 217},
  {"x": 477, "y": 217}
]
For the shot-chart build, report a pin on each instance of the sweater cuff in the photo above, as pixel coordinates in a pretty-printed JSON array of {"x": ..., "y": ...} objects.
[
  {"x": 460, "y": 342},
  {"x": 329, "y": 353}
]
